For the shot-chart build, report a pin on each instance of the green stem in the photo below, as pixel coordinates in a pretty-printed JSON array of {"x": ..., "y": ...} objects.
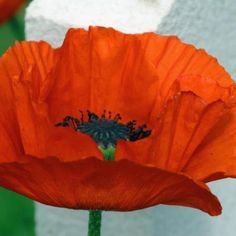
[
  {"x": 16, "y": 28},
  {"x": 95, "y": 216},
  {"x": 108, "y": 153},
  {"x": 94, "y": 227}
]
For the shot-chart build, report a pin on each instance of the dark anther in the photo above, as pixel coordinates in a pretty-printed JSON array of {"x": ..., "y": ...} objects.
[
  {"x": 69, "y": 121},
  {"x": 110, "y": 114},
  {"x": 82, "y": 117},
  {"x": 139, "y": 133},
  {"x": 92, "y": 116},
  {"x": 117, "y": 117},
  {"x": 106, "y": 130},
  {"x": 104, "y": 114}
]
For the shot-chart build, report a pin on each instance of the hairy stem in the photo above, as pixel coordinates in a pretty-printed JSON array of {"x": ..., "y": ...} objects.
[
  {"x": 95, "y": 216},
  {"x": 94, "y": 227}
]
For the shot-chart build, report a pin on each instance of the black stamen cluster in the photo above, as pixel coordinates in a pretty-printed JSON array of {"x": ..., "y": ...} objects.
[{"x": 106, "y": 130}]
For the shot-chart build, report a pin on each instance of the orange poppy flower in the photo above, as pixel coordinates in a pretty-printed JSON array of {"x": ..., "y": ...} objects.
[
  {"x": 183, "y": 96},
  {"x": 8, "y": 8}
]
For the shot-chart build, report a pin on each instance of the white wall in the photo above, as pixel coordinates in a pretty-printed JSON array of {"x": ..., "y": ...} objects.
[
  {"x": 210, "y": 24},
  {"x": 206, "y": 23},
  {"x": 52, "y": 18}
]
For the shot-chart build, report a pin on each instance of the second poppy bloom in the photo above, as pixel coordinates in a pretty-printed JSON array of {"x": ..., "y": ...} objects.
[
  {"x": 8, "y": 8},
  {"x": 182, "y": 101}
]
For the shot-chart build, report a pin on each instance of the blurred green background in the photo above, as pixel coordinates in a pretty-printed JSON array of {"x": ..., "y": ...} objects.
[{"x": 16, "y": 212}]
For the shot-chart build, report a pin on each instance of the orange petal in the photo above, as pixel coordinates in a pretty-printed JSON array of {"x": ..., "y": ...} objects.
[
  {"x": 181, "y": 127},
  {"x": 25, "y": 84},
  {"x": 10, "y": 141},
  {"x": 105, "y": 69},
  {"x": 9, "y": 147},
  {"x": 215, "y": 158},
  {"x": 41, "y": 138},
  {"x": 207, "y": 88},
  {"x": 95, "y": 184}
]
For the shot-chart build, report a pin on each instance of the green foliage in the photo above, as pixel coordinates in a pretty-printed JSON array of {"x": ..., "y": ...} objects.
[{"x": 17, "y": 214}]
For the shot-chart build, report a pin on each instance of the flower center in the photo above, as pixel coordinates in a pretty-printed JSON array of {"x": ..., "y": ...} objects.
[{"x": 106, "y": 130}]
